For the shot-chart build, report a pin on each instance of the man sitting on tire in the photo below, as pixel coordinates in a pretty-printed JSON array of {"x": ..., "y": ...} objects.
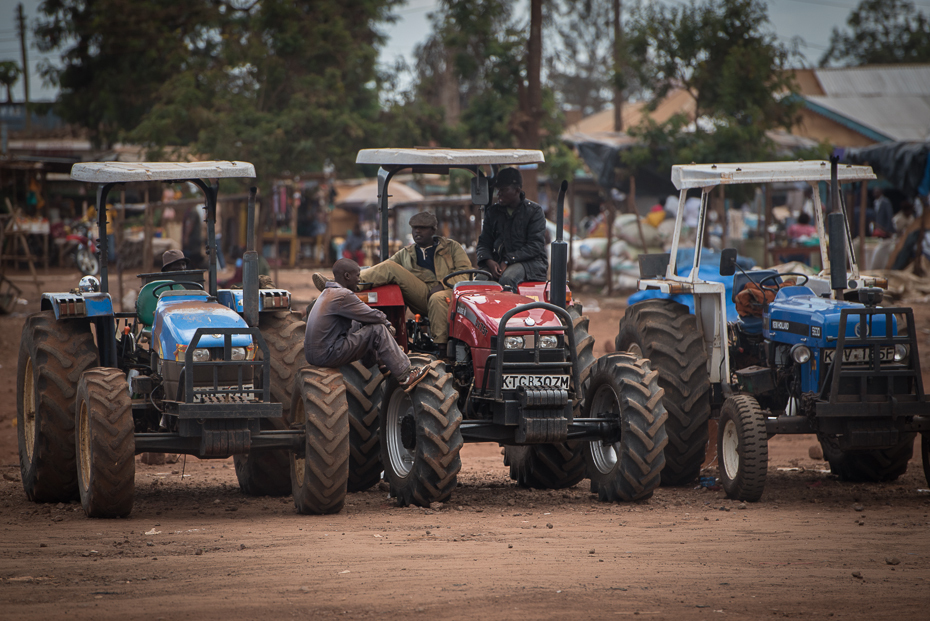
[
  {"x": 512, "y": 245},
  {"x": 418, "y": 269},
  {"x": 342, "y": 329}
]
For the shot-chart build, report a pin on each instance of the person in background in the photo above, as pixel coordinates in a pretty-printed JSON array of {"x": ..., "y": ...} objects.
[
  {"x": 802, "y": 228},
  {"x": 884, "y": 215},
  {"x": 352, "y": 248},
  {"x": 904, "y": 218}
]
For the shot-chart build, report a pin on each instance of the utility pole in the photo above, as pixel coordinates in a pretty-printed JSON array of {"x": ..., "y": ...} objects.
[
  {"x": 21, "y": 21},
  {"x": 618, "y": 68}
]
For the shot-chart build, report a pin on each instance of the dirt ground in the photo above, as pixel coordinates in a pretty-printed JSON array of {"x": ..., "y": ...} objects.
[{"x": 196, "y": 548}]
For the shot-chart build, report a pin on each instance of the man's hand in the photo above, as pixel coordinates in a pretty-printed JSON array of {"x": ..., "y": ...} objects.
[
  {"x": 391, "y": 329},
  {"x": 436, "y": 289},
  {"x": 494, "y": 267}
]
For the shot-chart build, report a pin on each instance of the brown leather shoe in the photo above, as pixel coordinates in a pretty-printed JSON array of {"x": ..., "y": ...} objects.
[
  {"x": 413, "y": 377},
  {"x": 319, "y": 281}
]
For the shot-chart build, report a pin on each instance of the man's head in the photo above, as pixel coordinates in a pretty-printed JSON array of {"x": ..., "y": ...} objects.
[
  {"x": 509, "y": 184},
  {"x": 173, "y": 261},
  {"x": 346, "y": 273},
  {"x": 423, "y": 227}
]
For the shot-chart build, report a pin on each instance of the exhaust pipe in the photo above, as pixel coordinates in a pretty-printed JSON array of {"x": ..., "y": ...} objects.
[
  {"x": 250, "y": 268},
  {"x": 559, "y": 248},
  {"x": 836, "y": 233}
]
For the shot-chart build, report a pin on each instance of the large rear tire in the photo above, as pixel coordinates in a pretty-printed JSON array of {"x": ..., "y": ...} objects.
[
  {"x": 319, "y": 476},
  {"x": 667, "y": 334},
  {"x": 421, "y": 439},
  {"x": 105, "y": 444},
  {"x": 364, "y": 391},
  {"x": 742, "y": 448},
  {"x": 266, "y": 473},
  {"x": 53, "y": 356},
  {"x": 561, "y": 465},
  {"x": 627, "y": 468},
  {"x": 871, "y": 465}
]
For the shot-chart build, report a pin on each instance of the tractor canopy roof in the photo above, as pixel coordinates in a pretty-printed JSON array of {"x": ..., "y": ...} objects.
[
  {"x": 122, "y": 172},
  {"x": 705, "y": 175},
  {"x": 443, "y": 158}
]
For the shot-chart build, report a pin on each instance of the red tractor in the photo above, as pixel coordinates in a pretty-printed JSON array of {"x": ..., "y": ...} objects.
[{"x": 519, "y": 369}]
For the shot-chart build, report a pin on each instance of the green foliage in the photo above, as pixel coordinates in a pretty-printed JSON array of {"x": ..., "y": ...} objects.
[
  {"x": 881, "y": 32},
  {"x": 724, "y": 55},
  {"x": 9, "y": 74}
]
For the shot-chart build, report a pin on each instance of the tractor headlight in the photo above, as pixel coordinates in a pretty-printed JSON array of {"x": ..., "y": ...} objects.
[
  {"x": 514, "y": 342},
  {"x": 548, "y": 342},
  {"x": 201, "y": 354},
  {"x": 900, "y": 353},
  {"x": 237, "y": 353},
  {"x": 800, "y": 353}
]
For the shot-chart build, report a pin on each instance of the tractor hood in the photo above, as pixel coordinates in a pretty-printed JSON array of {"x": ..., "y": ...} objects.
[
  {"x": 487, "y": 308},
  {"x": 177, "y": 317},
  {"x": 797, "y": 315}
]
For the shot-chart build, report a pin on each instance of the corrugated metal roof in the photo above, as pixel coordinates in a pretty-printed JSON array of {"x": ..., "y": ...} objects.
[
  {"x": 898, "y": 118},
  {"x": 883, "y": 80}
]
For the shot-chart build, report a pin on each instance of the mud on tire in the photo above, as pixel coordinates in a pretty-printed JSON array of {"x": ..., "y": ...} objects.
[
  {"x": 53, "y": 356},
  {"x": 266, "y": 473},
  {"x": 629, "y": 468},
  {"x": 420, "y": 437},
  {"x": 319, "y": 476},
  {"x": 105, "y": 444},
  {"x": 666, "y": 333},
  {"x": 364, "y": 391},
  {"x": 868, "y": 466},
  {"x": 561, "y": 465},
  {"x": 742, "y": 448}
]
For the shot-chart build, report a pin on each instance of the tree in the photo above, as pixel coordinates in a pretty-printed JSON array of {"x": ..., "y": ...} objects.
[
  {"x": 881, "y": 32},
  {"x": 724, "y": 55},
  {"x": 9, "y": 74},
  {"x": 285, "y": 84}
]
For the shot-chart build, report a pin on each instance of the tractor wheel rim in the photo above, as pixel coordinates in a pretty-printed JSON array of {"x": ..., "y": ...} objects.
[
  {"x": 400, "y": 458},
  {"x": 605, "y": 454},
  {"x": 84, "y": 446},
  {"x": 29, "y": 410},
  {"x": 299, "y": 463},
  {"x": 730, "y": 448}
]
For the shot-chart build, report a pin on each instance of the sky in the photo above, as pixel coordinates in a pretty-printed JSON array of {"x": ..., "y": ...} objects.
[{"x": 811, "y": 20}]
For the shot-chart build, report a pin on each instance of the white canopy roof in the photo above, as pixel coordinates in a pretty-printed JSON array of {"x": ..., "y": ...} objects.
[
  {"x": 704, "y": 175},
  {"x": 448, "y": 157},
  {"x": 121, "y": 172}
]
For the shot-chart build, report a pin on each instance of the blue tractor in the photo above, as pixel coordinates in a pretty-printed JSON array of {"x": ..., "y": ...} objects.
[
  {"x": 193, "y": 370},
  {"x": 805, "y": 355}
]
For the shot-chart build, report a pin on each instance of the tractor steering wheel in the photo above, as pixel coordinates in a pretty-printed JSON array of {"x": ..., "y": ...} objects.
[
  {"x": 445, "y": 281},
  {"x": 772, "y": 277},
  {"x": 187, "y": 284}
]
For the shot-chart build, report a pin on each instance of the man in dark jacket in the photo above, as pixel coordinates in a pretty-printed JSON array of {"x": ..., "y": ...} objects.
[
  {"x": 512, "y": 245},
  {"x": 342, "y": 329}
]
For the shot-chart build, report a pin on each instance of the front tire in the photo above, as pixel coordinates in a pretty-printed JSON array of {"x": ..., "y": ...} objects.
[
  {"x": 630, "y": 467},
  {"x": 320, "y": 475},
  {"x": 364, "y": 391},
  {"x": 267, "y": 473},
  {"x": 561, "y": 465},
  {"x": 105, "y": 444},
  {"x": 870, "y": 465},
  {"x": 53, "y": 355},
  {"x": 667, "y": 334},
  {"x": 742, "y": 448},
  {"x": 421, "y": 439}
]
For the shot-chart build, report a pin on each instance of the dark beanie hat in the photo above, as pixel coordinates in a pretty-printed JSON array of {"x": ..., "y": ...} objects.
[{"x": 508, "y": 177}]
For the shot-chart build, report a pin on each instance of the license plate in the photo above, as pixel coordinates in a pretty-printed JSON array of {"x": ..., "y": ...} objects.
[
  {"x": 512, "y": 382},
  {"x": 859, "y": 355}
]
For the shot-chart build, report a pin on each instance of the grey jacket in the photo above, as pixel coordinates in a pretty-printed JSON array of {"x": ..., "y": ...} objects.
[{"x": 331, "y": 318}]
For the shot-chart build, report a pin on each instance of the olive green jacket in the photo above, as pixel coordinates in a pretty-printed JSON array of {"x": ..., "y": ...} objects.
[{"x": 449, "y": 257}]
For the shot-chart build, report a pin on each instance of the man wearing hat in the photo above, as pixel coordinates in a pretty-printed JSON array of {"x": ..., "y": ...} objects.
[
  {"x": 512, "y": 245},
  {"x": 419, "y": 269},
  {"x": 174, "y": 261}
]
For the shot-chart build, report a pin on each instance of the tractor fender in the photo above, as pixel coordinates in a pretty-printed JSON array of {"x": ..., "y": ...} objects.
[
  {"x": 269, "y": 300},
  {"x": 77, "y": 305}
]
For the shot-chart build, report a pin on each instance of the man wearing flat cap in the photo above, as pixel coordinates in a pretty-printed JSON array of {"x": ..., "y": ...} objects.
[
  {"x": 419, "y": 269},
  {"x": 512, "y": 245}
]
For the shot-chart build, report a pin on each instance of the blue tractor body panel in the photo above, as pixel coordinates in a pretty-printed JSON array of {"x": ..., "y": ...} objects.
[
  {"x": 268, "y": 299},
  {"x": 179, "y": 314},
  {"x": 77, "y": 305}
]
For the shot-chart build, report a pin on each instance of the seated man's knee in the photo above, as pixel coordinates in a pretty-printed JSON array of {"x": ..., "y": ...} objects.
[{"x": 512, "y": 276}]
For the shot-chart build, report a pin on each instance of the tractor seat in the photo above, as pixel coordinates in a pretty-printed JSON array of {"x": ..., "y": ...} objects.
[
  {"x": 147, "y": 301},
  {"x": 750, "y": 324}
]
